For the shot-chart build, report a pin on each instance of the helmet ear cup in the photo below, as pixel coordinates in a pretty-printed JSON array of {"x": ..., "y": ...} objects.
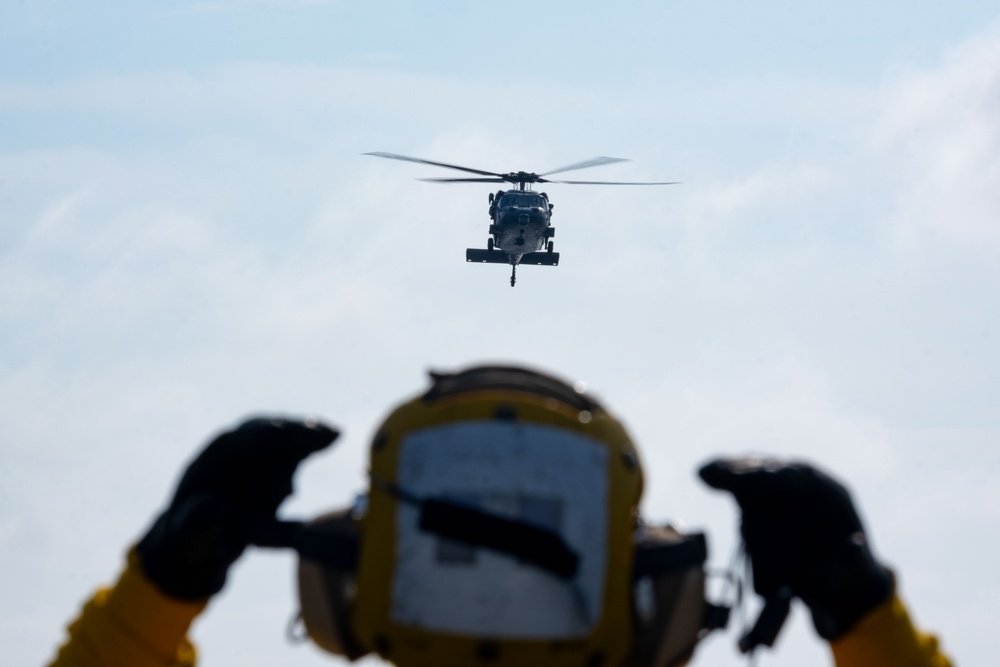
[
  {"x": 668, "y": 604},
  {"x": 326, "y": 596}
]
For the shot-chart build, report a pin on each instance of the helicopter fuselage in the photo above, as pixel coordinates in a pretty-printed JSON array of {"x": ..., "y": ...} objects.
[{"x": 521, "y": 223}]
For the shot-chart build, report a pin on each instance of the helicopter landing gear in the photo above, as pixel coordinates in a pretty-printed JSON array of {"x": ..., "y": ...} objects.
[
  {"x": 489, "y": 244},
  {"x": 513, "y": 275},
  {"x": 550, "y": 246}
]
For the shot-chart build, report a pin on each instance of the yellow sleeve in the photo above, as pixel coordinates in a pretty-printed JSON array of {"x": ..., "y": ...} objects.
[
  {"x": 885, "y": 637},
  {"x": 131, "y": 625}
]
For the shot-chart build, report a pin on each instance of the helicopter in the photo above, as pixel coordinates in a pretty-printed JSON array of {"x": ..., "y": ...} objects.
[{"x": 521, "y": 228}]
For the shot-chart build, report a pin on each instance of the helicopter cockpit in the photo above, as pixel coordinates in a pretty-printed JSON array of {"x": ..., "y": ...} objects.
[{"x": 523, "y": 200}]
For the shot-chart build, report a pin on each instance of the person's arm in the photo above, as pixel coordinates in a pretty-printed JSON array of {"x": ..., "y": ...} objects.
[
  {"x": 887, "y": 636},
  {"x": 131, "y": 624},
  {"x": 235, "y": 483},
  {"x": 803, "y": 533}
]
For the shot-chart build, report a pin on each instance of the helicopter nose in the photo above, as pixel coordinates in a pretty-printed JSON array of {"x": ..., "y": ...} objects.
[{"x": 523, "y": 219}]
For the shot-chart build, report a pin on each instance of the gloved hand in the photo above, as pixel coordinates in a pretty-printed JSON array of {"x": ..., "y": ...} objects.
[
  {"x": 236, "y": 482},
  {"x": 801, "y": 530}
]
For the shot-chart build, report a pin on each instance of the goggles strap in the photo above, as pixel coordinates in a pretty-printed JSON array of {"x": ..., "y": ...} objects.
[{"x": 540, "y": 546}]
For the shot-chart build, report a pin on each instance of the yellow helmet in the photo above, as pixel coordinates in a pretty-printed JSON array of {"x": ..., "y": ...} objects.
[{"x": 501, "y": 528}]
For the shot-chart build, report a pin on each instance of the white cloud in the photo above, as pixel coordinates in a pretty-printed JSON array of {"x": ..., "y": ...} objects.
[
  {"x": 294, "y": 101},
  {"x": 940, "y": 134}
]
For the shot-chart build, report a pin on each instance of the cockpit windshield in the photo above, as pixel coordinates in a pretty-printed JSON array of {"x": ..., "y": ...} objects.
[{"x": 522, "y": 199}]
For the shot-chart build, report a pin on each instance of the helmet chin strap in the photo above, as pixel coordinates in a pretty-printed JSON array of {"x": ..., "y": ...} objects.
[{"x": 770, "y": 620}]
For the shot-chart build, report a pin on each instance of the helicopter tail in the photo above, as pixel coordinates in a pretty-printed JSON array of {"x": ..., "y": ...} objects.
[
  {"x": 541, "y": 258},
  {"x": 487, "y": 256},
  {"x": 501, "y": 257}
]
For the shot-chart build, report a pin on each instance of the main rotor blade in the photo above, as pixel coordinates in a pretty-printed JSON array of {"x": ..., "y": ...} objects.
[
  {"x": 617, "y": 182},
  {"x": 462, "y": 180},
  {"x": 406, "y": 158},
  {"x": 592, "y": 162}
]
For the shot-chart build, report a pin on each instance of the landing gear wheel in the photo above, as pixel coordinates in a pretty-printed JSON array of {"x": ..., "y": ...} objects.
[
  {"x": 550, "y": 246},
  {"x": 489, "y": 244},
  {"x": 513, "y": 275}
]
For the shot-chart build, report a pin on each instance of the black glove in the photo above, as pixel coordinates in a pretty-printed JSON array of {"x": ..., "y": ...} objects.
[
  {"x": 801, "y": 530},
  {"x": 236, "y": 482}
]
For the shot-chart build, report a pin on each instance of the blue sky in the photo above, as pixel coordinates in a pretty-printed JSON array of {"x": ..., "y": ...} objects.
[
  {"x": 188, "y": 234},
  {"x": 583, "y": 42}
]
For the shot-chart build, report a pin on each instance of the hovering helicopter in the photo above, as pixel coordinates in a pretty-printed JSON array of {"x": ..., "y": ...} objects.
[{"x": 521, "y": 228}]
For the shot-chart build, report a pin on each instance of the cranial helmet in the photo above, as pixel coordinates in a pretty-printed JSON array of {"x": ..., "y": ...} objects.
[{"x": 501, "y": 528}]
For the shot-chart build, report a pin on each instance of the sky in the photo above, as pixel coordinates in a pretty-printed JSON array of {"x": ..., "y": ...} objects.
[{"x": 189, "y": 234}]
